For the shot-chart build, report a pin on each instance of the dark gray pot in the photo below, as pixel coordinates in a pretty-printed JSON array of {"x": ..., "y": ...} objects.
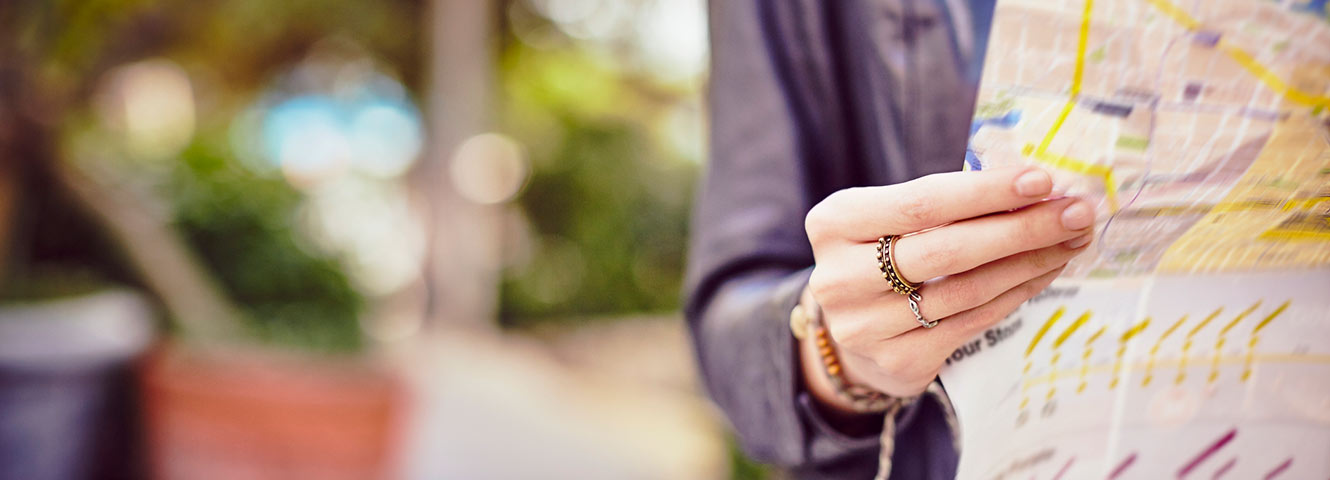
[{"x": 67, "y": 410}]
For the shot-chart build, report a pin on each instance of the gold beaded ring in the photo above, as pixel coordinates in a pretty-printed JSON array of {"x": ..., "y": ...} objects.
[{"x": 886, "y": 262}]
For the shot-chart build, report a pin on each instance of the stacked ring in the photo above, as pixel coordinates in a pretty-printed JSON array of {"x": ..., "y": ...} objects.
[
  {"x": 915, "y": 298},
  {"x": 886, "y": 263}
]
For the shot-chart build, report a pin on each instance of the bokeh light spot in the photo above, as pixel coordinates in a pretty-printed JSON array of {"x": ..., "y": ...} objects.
[
  {"x": 489, "y": 168},
  {"x": 385, "y": 138},
  {"x": 152, "y": 103}
]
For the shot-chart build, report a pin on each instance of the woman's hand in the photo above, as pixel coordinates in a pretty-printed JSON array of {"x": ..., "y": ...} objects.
[{"x": 981, "y": 243}]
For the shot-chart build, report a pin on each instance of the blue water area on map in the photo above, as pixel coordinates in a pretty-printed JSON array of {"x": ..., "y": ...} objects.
[
  {"x": 1009, "y": 120},
  {"x": 1314, "y": 7}
]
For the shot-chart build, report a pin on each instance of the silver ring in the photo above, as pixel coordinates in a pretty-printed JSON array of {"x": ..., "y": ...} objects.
[{"x": 915, "y": 298}]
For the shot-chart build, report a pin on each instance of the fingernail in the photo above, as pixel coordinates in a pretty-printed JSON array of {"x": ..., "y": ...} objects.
[
  {"x": 1080, "y": 241},
  {"x": 1077, "y": 216},
  {"x": 1033, "y": 183}
]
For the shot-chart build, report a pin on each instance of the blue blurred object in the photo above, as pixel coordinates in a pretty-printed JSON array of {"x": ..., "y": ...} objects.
[
  {"x": 316, "y": 136},
  {"x": 1007, "y": 120},
  {"x": 66, "y": 410}
]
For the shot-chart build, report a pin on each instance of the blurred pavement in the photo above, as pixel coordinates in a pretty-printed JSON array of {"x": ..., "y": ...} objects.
[{"x": 612, "y": 400}]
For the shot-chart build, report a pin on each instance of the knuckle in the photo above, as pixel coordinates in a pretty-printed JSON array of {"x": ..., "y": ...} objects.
[
  {"x": 819, "y": 222},
  {"x": 969, "y": 321},
  {"x": 902, "y": 368},
  {"x": 1042, "y": 261},
  {"x": 983, "y": 320},
  {"x": 964, "y": 292},
  {"x": 846, "y": 335},
  {"x": 820, "y": 286},
  {"x": 1025, "y": 230},
  {"x": 815, "y": 223},
  {"x": 938, "y": 256},
  {"x": 1030, "y": 289},
  {"x": 917, "y": 210},
  {"x": 892, "y": 365},
  {"x": 990, "y": 318},
  {"x": 1033, "y": 226}
]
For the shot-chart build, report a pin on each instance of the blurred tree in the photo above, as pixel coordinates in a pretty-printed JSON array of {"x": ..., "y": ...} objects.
[
  {"x": 462, "y": 268},
  {"x": 608, "y": 199},
  {"x": 53, "y": 56}
]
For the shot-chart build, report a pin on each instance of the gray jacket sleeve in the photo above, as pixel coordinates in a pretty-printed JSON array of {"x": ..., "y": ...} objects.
[{"x": 749, "y": 258}]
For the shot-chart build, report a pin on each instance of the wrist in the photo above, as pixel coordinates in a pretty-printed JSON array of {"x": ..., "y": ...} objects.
[
  {"x": 816, "y": 383},
  {"x": 826, "y": 371}
]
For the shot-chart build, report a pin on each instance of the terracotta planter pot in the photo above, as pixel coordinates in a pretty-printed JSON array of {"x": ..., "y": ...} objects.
[{"x": 246, "y": 415}]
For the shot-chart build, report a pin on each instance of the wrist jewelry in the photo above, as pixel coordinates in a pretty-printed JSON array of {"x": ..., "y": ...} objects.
[{"x": 806, "y": 319}]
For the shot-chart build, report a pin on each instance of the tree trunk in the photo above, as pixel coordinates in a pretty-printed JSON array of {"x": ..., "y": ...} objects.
[
  {"x": 162, "y": 259},
  {"x": 463, "y": 265}
]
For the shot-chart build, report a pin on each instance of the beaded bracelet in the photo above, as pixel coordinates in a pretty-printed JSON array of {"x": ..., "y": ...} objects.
[{"x": 804, "y": 318}]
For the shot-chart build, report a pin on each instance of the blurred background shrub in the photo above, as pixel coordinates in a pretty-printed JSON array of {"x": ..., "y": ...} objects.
[
  {"x": 243, "y": 122},
  {"x": 360, "y": 178},
  {"x": 198, "y": 107}
]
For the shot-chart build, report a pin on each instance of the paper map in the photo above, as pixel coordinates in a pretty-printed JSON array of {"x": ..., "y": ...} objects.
[{"x": 1193, "y": 339}]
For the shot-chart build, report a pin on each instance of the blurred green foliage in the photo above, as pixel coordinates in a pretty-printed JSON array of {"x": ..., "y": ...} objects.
[
  {"x": 241, "y": 226},
  {"x": 607, "y": 203},
  {"x": 238, "y": 222},
  {"x": 608, "y": 200},
  {"x": 742, "y": 467},
  {"x": 71, "y": 42}
]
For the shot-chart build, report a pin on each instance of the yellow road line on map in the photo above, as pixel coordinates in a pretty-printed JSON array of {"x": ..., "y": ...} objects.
[
  {"x": 1085, "y": 357},
  {"x": 1072, "y": 329},
  {"x": 1287, "y": 205},
  {"x": 1237, "y": 206},
  {"x": 1044, "y": 329},
  {"x": 1078, "y": 73},
  {"x": 1103, "y": 172},
  {"x": 1176, "y": 13},
  {"x": 1122, "y": 350},
  {"x": 1057, "y": 124},
  {"x": 1270, "y": 79},
  {"x": 1063, "y": 162},
  {"x": 1251, "y": 345},
  {"x": 1271, "y": 317},
  {"x": 1219, "y": 343},
  {"x": 1186, "y": 346},
  {"x": 1261, "y": 72},
  {"x": 1234, "y": 323},
  {"x": 1057, "y": 347},
  {"x": 1296, "y": 358},
  {"x": 1076, "y": 76},
  {"x": 1150, "y": 367},
  {"x": 1038, "y": 335},
  {"x": 1096, "y": 335},
  {"x": 1304, "y": 204},
  {"x": 1296, "y": 236}
]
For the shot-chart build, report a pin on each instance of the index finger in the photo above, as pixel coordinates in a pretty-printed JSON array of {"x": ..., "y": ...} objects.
[{"x": 866, "y": 213}]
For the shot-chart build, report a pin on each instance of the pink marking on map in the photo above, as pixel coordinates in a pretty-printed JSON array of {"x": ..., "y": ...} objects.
[
  {"x": 1064, "y": 468},
  {"x": 1207, "y": 452},
  {"x": 1280, "y": 469},
  {"x": 1122, "y": 466},
  {"x": 1224, "y": 469}
]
